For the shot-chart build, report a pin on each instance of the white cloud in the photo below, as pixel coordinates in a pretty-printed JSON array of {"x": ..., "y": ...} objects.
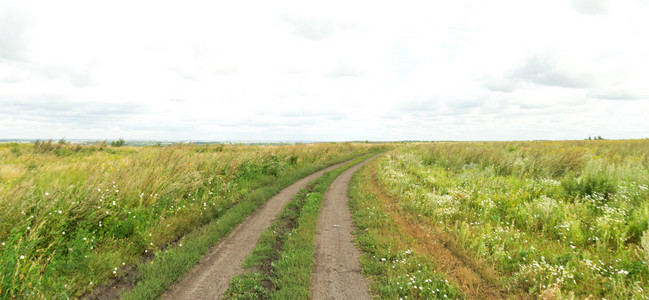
[
  {"x": 336, "y": 70},
  {"x": 590, "y": 7}
]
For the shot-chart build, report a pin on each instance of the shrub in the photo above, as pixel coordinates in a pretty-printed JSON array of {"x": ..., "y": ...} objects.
[
  {"x": 118, "y": 143},
  {"x": 589, "y": 185}
]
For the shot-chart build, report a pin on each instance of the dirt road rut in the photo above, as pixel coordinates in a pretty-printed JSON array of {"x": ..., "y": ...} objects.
[
  {"x": 337, "y": 272},
  {"x": 211, "y": 276}
]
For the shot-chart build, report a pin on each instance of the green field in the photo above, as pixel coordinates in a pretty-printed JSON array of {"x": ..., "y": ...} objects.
[
  {"x": 551, "y": 220},
  {"x": 541, "y": 219},
  {"x": 75, "y": 218}
]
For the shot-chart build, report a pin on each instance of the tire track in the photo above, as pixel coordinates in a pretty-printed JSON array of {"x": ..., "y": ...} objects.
[
  {"x": 337, "y": 272},
  {"x": 211, "y": 276}
]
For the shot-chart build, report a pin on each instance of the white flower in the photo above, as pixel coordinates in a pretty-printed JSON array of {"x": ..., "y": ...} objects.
[
  {"x": 22, "y": 257},
  {"x": 47, "y": 194}
]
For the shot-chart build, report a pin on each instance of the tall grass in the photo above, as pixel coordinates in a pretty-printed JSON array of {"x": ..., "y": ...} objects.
[
  {"x": 74, "y": 217},
  {"x": 556, "y": 219}
]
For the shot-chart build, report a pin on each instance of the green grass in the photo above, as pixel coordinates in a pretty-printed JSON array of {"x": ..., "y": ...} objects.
[
  {"x": 280, "y": 266},
  {"x": 78, "y": 217},
  {"x": 561, "y": 219},
  {"x": 395, "y": 269}
]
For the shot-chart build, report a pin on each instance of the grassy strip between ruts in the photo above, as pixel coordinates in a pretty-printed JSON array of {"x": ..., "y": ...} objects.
[
  {"x": 168, "y": 266},
  {"x": 395, "y": 269},
  {"x": 282, "y": 262}
]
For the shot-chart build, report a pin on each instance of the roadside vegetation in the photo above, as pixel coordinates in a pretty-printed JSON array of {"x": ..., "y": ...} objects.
[
  {"x": 280, "y": 266},
  {"x": 394, "y": 258},
  {"x": 546, "y": 219},
  {"x": 77, "y": 218}
]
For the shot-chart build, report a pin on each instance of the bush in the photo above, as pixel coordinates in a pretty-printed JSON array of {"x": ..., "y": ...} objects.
[
  {"x": 589, "y": 185},
  {"x": 118, "y": 143}
]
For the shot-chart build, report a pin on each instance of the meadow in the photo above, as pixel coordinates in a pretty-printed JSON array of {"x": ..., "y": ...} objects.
[
  {"x": 77, "y": 218},
  {"x": 546, "y": 219}
]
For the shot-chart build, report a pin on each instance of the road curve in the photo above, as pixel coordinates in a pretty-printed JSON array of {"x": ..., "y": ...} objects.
[
  {"x": 211, "y": 276},
  {"x": 337, "y": 272}
]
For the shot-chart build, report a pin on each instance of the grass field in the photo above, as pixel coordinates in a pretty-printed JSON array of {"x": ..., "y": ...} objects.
[
  {"x": 543, "y": 219},
  {"x": 550, "y": 220},
  {"x": 79, "y": 217}
]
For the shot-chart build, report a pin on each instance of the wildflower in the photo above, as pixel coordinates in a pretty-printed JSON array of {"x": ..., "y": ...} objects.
[
  {"x": 22, "y": 257},
  {"x": 60, "y": 212},
  {"x": 47, "y": 194}
]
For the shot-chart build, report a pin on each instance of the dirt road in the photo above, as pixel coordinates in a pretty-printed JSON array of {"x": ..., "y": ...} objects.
[
  {"x": 337, "y": 272},
  {"x": 211, "y": 276}
]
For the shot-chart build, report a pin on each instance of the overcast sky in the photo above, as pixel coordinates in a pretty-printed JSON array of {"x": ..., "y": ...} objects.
[{"x": 324, "y": 71}]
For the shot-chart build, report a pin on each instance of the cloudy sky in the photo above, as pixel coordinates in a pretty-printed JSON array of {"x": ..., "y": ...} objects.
[{"x": 324, "y": 71}]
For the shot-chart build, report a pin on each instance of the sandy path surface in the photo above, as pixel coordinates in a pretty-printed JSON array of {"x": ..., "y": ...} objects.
[
  {"x": 337, "y": 272},
  {"x": 211, "y": 276}
]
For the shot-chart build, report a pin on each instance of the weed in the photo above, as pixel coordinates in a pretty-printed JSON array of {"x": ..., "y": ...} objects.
[
  {"x": 561, "y": 219},
  {"x": 76, "y": 216}
]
